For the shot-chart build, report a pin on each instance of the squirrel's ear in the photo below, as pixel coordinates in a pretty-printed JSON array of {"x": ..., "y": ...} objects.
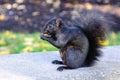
[{"x": 58, "y": 22}]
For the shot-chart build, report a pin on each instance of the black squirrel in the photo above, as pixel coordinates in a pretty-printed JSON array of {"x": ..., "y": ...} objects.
[{"x": 79, "y": 44}]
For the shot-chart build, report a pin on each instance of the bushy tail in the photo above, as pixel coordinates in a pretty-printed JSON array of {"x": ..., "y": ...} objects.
[
  {"x": 95, "y": 34},
  {"x": 94, "y": 24}
]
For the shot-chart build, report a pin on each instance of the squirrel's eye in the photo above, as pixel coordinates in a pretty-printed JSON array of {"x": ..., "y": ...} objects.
[{"x": 50, "y": 26}]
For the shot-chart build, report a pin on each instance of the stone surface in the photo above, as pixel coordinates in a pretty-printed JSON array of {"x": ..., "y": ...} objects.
[{"x": 37, "y": 66}]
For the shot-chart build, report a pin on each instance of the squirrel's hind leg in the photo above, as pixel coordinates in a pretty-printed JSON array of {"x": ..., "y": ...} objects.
[
  {"x": 75, "y": 57},
  {"x": 57, "y": 62},
  {"x": 61, "y": 68}
]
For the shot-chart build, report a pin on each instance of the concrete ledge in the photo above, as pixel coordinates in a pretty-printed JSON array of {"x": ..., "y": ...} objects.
[{"x": 37, "y": 66}]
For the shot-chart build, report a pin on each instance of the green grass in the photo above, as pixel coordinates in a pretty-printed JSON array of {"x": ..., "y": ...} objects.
[
  {"x": 114, "y": 39},
  {"x": 11, "y": 42},
  {"x": 23, "y": 42}
]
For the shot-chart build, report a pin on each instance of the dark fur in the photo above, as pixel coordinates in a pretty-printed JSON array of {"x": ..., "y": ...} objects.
[
  {"x": 94, "y": 24},
  {"x": 79, "y": 44}
]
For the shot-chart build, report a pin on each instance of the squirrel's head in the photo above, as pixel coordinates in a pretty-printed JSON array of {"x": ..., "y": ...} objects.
[{"x": 52, "y": 26}]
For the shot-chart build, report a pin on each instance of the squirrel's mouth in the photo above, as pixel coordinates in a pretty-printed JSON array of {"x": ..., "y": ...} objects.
[{"x": 46, "y": 35}]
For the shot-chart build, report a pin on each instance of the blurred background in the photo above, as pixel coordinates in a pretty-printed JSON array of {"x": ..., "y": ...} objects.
[{"x": 21, "y": 21}]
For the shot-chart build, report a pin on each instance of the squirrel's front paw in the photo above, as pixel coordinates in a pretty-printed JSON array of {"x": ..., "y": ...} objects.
[{"x": 42, "y": 36}]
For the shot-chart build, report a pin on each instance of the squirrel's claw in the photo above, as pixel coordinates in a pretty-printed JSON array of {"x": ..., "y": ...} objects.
[{"x": 60, "y": 68}]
